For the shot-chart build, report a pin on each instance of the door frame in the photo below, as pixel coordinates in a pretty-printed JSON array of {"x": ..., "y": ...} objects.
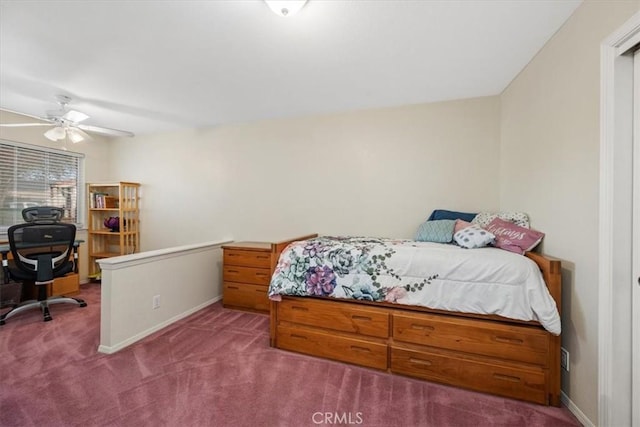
[
  {"x": 616, "y": 172},
  {"x": 635, "y": 305}
]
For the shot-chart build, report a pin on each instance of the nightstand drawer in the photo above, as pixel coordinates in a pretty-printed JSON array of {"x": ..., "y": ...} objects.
[
  {"x": 246, "y": 258},
  {"x": 256, "y": 276},
  {"x": 239, "y": 295}
]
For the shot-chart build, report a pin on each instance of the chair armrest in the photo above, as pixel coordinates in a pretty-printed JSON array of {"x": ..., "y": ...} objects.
[
  {"x": 5, "y": 266},
  {"x": 75, "y": 257}
]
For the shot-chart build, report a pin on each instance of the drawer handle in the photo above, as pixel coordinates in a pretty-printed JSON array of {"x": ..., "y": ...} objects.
[
  {"x": 297, "y": 307},
  {"x": 233, "y": 255},
  {"x": 420, "y": 361},
  {"x": 233, "y": 271},
  {"x": 233, "y": 287},
  {"x": 509, "y": 340},
  {"x": 262, "y": 291},
  {"x": 358, "y": 348},
  {"x": 262, "y": 257},
  {"x": 356, "y": 317},
  {"x": 422, "y": 327},
  {"x": 506, "y": 378},
  {"x": 302, "y": 337}
]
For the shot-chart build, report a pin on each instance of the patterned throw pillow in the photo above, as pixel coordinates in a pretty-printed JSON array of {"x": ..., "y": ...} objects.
[
  {"x": 440, "y": 231},
  {"x": 473, "y": 237},
  {"x": 461, "y": 225},
  {"x": 520, "y": 219},
  {"x": 513, "y": 238}
]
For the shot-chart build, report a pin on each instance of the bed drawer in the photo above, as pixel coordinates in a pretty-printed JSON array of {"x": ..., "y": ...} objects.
[
  {"x": 257, "y": 276},
  {"x": 519, "y": 383},
  {"x": 340, "y": 317},
  {"x": 246, "y": 258},
  {"x": 332, "y": 346},
  {"x": 522, "y": 344},
  {"x": 241, "y": 295}
]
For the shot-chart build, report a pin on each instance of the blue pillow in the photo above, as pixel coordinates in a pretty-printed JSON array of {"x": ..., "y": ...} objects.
[
  {"x": 444, "y": 214},
  {"x": 439, "y": 231}
]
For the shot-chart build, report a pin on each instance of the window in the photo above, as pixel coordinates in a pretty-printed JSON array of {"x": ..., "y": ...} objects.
[{"x": 38, "y": 176}]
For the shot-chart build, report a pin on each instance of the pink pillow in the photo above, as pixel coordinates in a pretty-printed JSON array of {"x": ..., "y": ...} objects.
[
  {"x": 512, "y": 237},
  {"x": 460, "y": 225}
]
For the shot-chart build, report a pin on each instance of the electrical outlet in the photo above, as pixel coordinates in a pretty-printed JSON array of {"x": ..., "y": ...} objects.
[
  {"x": 564, "y": 359},
  {"x": 156, "y": 302}
]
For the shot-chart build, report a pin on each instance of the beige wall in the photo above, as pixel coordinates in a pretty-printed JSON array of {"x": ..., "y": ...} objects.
[
  {"x": 377, "y": 173},
  {"x": 550, "y": 169},
  {"x": 96, "y": 161}
]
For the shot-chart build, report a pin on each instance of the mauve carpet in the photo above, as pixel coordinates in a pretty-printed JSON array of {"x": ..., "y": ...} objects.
[{"x": 215, "y": 368}]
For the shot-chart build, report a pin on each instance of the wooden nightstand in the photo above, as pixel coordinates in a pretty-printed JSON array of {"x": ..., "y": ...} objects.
[{"x": 246, "y": 273}]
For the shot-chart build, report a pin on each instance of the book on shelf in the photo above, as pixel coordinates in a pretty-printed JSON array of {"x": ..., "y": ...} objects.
[{"x": 102, "y": 201}]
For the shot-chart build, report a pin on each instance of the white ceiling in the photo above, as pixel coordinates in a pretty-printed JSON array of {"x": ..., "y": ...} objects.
[{"x": 154, "y": 66}]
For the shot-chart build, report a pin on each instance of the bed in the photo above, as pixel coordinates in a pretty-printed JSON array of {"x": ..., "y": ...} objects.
[{"x": 482, "y": 319}]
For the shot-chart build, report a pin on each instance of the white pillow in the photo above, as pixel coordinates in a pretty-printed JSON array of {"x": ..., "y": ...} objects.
[
  {"x": 473, "y": 236},
  {"x": 520, "y": 219}
]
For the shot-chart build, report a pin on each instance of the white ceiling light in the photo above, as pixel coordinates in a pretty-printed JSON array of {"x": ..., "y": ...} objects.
[
  {"x": 60, "y": 132},
  {"x": 74, "y": 135},
  {"x": 285, "y": 7},
  {"x": 55, "y": 134}
]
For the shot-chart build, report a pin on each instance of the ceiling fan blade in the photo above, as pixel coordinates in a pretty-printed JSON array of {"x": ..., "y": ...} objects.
[
  {"x": 19, "y": 125},
  {"x": 105, "y": 131},
  {"x": 26, "y": 115},
  {"x": 75, "y": 116}
]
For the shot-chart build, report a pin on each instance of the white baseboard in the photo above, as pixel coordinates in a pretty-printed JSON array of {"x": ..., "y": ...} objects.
[
  {"x": 112, "y": 349},
  {"x": 586, "y": 422}
]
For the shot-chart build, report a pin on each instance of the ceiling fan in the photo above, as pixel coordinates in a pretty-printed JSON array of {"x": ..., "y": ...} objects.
[{"x": 67, "y": 124}]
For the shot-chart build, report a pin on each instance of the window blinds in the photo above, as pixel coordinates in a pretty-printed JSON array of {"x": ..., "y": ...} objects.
[{"x": 38, "y": 176}]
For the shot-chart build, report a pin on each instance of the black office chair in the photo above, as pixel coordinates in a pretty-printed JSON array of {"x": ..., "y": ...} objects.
[{"x": 42, "y": 250}]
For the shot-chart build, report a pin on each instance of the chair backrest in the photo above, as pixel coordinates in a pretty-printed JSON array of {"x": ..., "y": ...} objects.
[
  {"x": 42, "y": 249},
  {"x": 42, "y": 214}
]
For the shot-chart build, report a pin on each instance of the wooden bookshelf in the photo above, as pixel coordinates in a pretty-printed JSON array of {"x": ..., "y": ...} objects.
[{"x": 121, "y": 200}]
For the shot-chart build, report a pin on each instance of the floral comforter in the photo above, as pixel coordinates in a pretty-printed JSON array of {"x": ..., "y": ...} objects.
[{"x": 434, "y": 275}]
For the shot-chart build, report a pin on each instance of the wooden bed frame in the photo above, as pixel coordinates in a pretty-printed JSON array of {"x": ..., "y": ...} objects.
[{"x": 485, "y": 353}]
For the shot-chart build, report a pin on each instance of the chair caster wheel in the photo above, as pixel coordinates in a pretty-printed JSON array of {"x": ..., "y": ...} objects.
[
  {"x": 2, "y": 322},
  {"x": 83, "y": 304},
  {"x": 47, "y": 318}
]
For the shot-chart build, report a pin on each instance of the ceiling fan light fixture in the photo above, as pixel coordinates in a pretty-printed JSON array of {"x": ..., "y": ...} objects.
[
  {"x": 55, "y": 134},
  {"x": 285, "y": 8},
  {"x": 74, "y": 136}
]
